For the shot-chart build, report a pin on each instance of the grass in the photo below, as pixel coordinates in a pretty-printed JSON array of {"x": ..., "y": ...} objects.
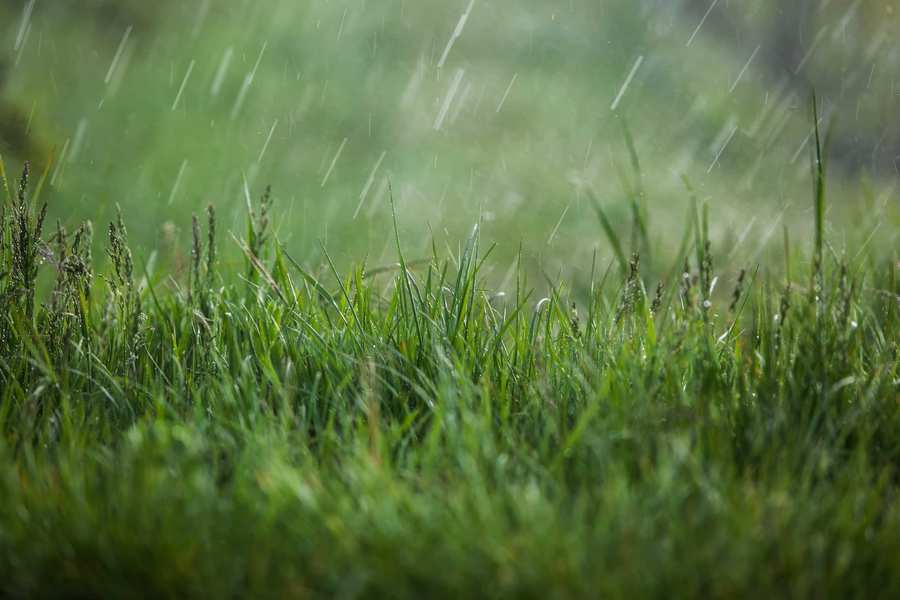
[{"x": 399, "y": 430}]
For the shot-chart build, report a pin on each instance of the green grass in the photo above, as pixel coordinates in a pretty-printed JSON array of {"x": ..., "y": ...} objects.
[
  {"x": 398, "y": 430},
  {"x": 336, "y": 390}
]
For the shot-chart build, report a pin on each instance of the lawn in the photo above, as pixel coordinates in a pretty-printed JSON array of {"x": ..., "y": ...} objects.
[{"x": 516, "y": 343}]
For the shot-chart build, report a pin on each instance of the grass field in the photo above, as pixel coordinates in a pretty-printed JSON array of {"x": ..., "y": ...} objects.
[
  {"x": 404, "y": 432},
  {"x": 532, "y": 312}
]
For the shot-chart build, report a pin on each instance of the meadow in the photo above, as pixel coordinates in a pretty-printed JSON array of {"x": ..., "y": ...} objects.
[{"x": 521, "y": 314}]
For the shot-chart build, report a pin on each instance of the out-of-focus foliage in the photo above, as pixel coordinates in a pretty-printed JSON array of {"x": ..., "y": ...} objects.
[
  {"x": 94, "y": 17},
  {"x": 846, "y": 51},
  {"x": 502, "y": 117}
]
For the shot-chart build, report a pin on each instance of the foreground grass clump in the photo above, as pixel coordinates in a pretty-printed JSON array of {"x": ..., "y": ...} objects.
[{"x": 271, "y": 433}]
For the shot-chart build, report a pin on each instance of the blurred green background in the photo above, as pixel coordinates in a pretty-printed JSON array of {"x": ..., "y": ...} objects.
[{"x": 499, "y": 112}]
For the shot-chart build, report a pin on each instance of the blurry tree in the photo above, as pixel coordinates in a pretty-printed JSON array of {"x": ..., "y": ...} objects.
[
  {"x": 16, "y": 136},
  {"x": 139, "y": 14},
  {"x": 791, "y": 31},
  {"x": 834, "y": 48}
]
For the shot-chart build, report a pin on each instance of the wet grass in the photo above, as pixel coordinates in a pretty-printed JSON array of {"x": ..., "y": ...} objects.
[{"x": 400, "y": 430}]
